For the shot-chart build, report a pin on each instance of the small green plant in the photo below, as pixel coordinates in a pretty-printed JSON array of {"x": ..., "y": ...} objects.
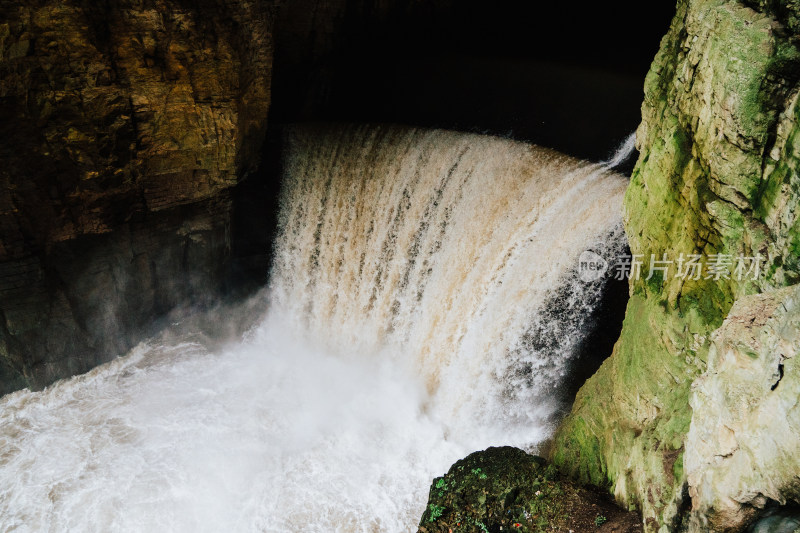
[
  {"x": 599, "y": 520},
  {"x": 478, "y": 472},
  {"x": 475, "y": 523},
  {"x": 550, "y": 473},
  {"x": 441, "y": 486},
  {"x": 436, "y": 512}
]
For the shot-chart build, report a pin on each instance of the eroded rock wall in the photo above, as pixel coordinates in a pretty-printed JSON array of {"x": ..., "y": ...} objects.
[
  {"x": 718, "y": 174},
  {"x": 125, "y": 125}
]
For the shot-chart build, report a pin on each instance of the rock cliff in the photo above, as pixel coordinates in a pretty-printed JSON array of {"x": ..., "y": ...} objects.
[
  {"x": 135, "y": 172},
  {"x": 125, "y": 126},
  {"x": 717, "y": 177}
]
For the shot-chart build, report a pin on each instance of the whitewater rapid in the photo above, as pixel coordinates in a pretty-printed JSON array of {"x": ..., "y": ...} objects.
[{"x": 424, "y": 303}]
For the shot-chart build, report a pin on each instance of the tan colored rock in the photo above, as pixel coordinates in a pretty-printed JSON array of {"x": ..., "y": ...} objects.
[
  {"x": 718, "y": 173},
  {"x": 125, "y": 126},
  {"x": 743, "y": 446},
  {"x": 155, "y": 105}
]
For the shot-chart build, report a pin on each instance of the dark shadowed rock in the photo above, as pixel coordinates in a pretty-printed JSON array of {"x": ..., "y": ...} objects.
[
  {"x": 125, "y": 125},
  {"x": 506, "y": 489}
]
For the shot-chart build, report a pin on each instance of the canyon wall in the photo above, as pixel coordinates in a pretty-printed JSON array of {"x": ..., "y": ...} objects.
[
  {"x": 125, "y": 126},
  {"x": 717, "y": 177}
]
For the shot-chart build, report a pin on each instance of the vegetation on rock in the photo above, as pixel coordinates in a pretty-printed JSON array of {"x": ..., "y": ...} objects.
[
  {"x": 501, "y": 487},
  {"x": 717, "y": 174},
  {"x": 506, "y": 489}
]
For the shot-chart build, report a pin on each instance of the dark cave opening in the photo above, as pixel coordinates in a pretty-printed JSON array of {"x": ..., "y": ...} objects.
[{"x": 565, "y": 76}]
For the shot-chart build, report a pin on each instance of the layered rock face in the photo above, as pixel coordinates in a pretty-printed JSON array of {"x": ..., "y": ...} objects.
[
  {"x": 717, "y": 175},
  {"x": 125, "y": 126}
]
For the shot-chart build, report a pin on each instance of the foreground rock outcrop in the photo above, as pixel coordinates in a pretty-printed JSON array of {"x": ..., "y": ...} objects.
[
  {"x": 506, "y": 489},
  {"x": 125, "y": 127},
  {"x": 717, "y": 178}
]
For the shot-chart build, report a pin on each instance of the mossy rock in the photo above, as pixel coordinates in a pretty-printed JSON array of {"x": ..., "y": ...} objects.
[
  {"x": 718, "y": 173},
  {"x": 498, "y": 489}
]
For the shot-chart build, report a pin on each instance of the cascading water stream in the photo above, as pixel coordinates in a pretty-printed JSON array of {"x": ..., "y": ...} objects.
[
  {"x": 424, "y": 303},
  {"x": 623, "y": 153}
]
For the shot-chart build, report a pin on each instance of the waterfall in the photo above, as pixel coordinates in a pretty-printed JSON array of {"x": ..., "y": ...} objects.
[
  {"x": 444, "y": 247},
  {"x": 424, "y": 303}
]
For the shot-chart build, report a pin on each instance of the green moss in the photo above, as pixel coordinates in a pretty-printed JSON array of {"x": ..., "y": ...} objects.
[
  {"x": 710, "y": 299},
  {"x": 635, "y": 409},
  {"x": 704, "y": 184},
  {"x": 677, "y": 467},
  {"x": 791, "y": 262},
  {"x": 655, "y": 282},
  {"x": 573, "y": 449},
  {"x": 771, "y": 190}
]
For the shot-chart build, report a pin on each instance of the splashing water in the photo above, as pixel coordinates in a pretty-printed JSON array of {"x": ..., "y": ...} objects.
[
  {"x": 623, "y": 153},
  {"x": 424, "y": 303}
]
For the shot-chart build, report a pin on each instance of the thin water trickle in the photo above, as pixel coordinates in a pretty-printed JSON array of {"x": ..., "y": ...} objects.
[{"x": 623, "y": 153}]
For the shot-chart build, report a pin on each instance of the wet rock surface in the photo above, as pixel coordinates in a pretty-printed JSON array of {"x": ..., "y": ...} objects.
[
  {"x": 506, "y": 489},
  {"x": 717, "y": 177}
]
